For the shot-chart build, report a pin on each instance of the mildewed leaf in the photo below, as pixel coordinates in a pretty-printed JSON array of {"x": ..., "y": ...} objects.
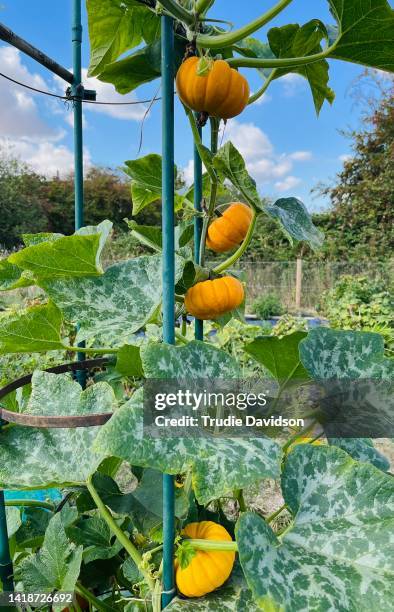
[
  {"x": 116, "y": 27},
  {"x": 296, "y": 221},
  {"x": 34, "y": 329},
  {"x": 14, "y": 520},
  {"x": 280, "y": 356},
  {"x": 77, "y": 255},
  {"x": 35, "y": 458},
  {"x": 112, "y": 307},
  {"x": 366, "y": 32},
  {"x": 362, "y": 449},
  {"x": 230, "y": 163},
  {"x": 56, "y": 566},
  {"x": 338, "y": 551}
]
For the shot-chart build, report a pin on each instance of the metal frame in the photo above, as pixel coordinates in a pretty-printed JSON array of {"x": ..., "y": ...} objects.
[{"x": 77, "y": 93}]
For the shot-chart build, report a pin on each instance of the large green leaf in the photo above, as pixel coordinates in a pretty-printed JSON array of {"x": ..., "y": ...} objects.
[
  {"x": 77, "y": 255},
  {"x": 298, "y": 41},
  {"x": 110, "y": 308},
  {"x": 218, "y": 465},
  {"x": 146, "y": 175},
  {"x": 56, "y": 566},
  {"x": 231, "y": 165},
  {"x": 296, "y": 221},
  {"x": 362, "y": 449},
  {"x": 115, "y": 27},
  {"x": 366, "y": 32},
  {"x": 96, "y": 538},
  {"x": 331, "y": 354},
  {"x": 337, "y": 555},
  {"x": 11, "y": 276},
  {"x": 34, "y": 329},
  {"x": 280, "y": 356},
  {"x": 34, "y": 458}
]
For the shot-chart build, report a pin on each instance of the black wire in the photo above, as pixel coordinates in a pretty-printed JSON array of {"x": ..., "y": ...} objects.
[{"x": 71, "y": 98}]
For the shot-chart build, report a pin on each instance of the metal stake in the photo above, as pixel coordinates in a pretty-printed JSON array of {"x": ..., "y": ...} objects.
[
  {"x": 198, "y": 325},
  {"x": 168, "y": 266}
]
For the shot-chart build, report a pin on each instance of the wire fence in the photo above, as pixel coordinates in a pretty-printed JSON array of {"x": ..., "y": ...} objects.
[{"x": 279, "y": 278}]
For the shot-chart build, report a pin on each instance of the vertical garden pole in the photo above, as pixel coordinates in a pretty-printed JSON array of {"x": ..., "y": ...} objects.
[
  {"x": 77, "y": 92},
  {"x": 6, "y": 569},
  {"x": 198, "y": 325},
  {"x": 168, "y": 266}
]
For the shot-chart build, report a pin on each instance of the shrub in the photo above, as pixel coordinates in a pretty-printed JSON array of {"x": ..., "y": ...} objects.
[{"x": 268, "y": 306}]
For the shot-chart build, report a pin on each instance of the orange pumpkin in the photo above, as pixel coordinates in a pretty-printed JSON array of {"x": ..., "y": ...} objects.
[
  {"x": 212, "y": 298},
  {"x": 222, "y": 92},
  {"x": 207, "y": 570},
  {"x": 229, "y": 230}
]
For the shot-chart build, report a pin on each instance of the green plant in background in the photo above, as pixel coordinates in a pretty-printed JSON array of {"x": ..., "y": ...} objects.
[
  {"x": 357, "y": 302},
  {"x": 288, "y": 324},
  {"x": 267, "y": 306}
]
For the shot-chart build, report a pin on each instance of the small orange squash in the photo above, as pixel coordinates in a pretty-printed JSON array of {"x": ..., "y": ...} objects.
[
  {"x": 212, "y": 298},
  {"x": 207, "y": 570},
  {"x": 222, "y": 92},
  {"x": 229, "y": 230}
]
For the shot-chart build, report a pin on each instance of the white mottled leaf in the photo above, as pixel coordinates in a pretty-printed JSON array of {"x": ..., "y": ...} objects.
[
  {"x": 110, "y": 308},
  {"x": 219, "y": 465},
  {"x": 362, "y": 449},
  {"x": 35, "y": 458},
  {"x": 14, "y": 520},
  {"x": 337, "y": 556},
  {"x": 296, "y": 221}
]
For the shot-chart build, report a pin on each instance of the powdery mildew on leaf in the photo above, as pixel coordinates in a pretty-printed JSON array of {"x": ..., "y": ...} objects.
[
  {"x": 338, "y": 554},
  {"x": 112, "y": 307},
  {"x": 219, "y": 465},
  {"x": 33, "y": 458}
]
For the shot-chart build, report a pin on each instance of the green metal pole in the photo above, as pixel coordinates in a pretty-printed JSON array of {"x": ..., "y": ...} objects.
[
  {"x": 6, "y": 569},
  {"x": 77, "y": 92},
  {"x": 198, "y": 325},
  {"x": 168, "y": 265}
]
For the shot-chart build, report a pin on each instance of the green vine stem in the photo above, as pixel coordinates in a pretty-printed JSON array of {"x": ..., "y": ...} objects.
[
  {"x": 299, "y": 434},
  {"x": 277, "y": 512},
  {"x": 202, "y": 6},
  {"x": 30, "y": 503},
  {"x": 260, "y": 92},
  {"x": 181, "y": 337},
  {"x": 91, "y": 351},
  {"x": 214, "y": 190},
  {"x": 178, "y": 11},
  {"x": 123, "y": 539},
  {"x": 239, "y": 496},
  {"x": 92, "y": 599},
  {"x": 240, "y": 251},
  {"x": 224, "y": 546},
  {"x": 230, "y": 38},
  {"x": 282, "y": 62},
  {"x": 203, "y": 151}
]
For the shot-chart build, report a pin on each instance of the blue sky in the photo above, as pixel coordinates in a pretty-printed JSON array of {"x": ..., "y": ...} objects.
[{"x": 287, "y": 148}]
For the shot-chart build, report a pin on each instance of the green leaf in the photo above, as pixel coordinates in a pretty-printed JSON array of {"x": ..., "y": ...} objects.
[
  {"x": 34, "y": 239},
  {"x": 31, "y": 534},
  {"x": 146, "y": 184},
  {"x": 96, "y": 538},
  {"x": 252, "y": 47},
  {"x": 218, "y": 465},
  {"x": 296, "y": 221},
  {"x": 116, "y": 27},
  {"x": 231, "y": 165},
  {"x": 366, "y": 32},
  {"x": 338, "y": 551},
  {"x": 280, "y": 356},
  {"x": 40, "y": 458},
  {"x": 11, "y": 276},
  {"x": 362, "y": 449},
  {"x": 149, "y": 494},
  {"x": 112, "y": 307},
  {"x": 148, "y": 235},
  {"x": 298, "y": 41},
  {"x": 55, "y": 566},
  {"x": 233, "y": 596},
  {"x": 331, "y": 354},
  {"x": 35, "y": 329},
  {"x": 77, "y": 255},
  {"x": 128, "y": 362},
  {"x": 14, "y": 520}
]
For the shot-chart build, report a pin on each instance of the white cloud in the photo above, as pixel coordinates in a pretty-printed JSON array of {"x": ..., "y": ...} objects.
[
  {"x": 344, "y": 158},
  {"x": 45, "y": 158},
  {"x": 271, "y": 170},
  {"x": 291, "y": 83},
  {"x": 288, "y": 183}
]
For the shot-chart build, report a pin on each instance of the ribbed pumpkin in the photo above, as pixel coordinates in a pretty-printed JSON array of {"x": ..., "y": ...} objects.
[
  {"x": 229, "y": 230},
  {"x": 208, "y": 570},
  {"x": 212, "y": 298},
  {"x": 222, "y": 93}
]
